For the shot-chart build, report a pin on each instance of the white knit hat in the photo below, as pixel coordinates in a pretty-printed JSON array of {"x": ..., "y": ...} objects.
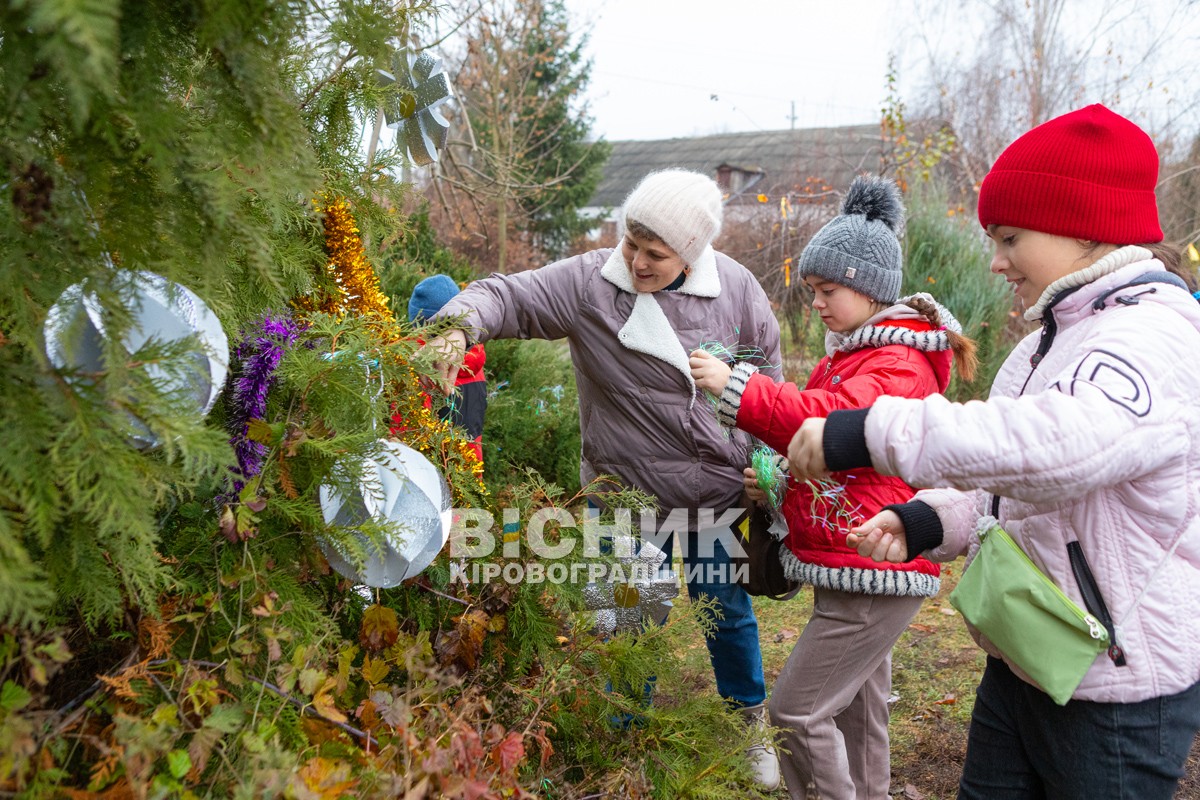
[{"x": 682, "y": 207}]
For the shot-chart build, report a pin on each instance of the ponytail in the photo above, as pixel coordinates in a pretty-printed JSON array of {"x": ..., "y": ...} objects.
[
  {"x": 1169, "y": 255},
  {"x": 963, "y": 347},
  {"x": 1172, "y": 258}
]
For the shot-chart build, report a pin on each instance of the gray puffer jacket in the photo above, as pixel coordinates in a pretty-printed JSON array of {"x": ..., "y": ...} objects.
[{"x": 640, "y": 415}]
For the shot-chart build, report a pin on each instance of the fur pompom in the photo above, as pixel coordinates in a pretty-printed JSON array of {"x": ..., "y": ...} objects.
[{"x": 875, "y": 198}]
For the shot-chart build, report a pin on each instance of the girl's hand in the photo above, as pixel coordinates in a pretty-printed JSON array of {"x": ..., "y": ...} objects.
[
  {"x": 881, "y": 538},
  {"x": 750, "y": 482},
  {"x": 806, "y": 452},
  {"x": 709, "y": 372}
]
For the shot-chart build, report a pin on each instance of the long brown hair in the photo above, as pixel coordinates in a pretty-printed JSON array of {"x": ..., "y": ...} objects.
[
  {"x": 963, "y": 347},
  {"x": 1172, "y": 258},
  {"x": 1170, "y": 255}
]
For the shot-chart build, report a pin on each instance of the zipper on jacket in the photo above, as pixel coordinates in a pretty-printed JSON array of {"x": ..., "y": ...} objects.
[
  {"x": 1049, "y": 331},
  {"x": 1045, "y": 339},
  {"x": 1094, "y": 600}
]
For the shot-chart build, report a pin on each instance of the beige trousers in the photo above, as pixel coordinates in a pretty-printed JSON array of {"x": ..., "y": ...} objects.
[{"x": 831, "y": 697}]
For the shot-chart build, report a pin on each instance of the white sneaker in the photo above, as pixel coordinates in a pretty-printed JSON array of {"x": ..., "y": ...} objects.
[{"x": 762, "y": 754}]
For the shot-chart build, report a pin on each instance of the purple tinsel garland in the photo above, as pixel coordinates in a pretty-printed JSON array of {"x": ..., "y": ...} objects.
[{"x": 260, "y": 350}]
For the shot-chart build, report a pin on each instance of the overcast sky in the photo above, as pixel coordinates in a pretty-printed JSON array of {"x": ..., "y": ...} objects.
[{"x": 664, "y": 68}]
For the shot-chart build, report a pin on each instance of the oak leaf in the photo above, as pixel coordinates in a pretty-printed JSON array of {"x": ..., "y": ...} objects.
[{"x": 380, "y": 628}]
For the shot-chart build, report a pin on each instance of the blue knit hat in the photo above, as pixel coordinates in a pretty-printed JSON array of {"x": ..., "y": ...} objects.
[{"x": 430, "y": 295}]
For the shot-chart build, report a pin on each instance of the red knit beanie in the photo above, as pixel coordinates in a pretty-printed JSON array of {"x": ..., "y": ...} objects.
[{"x": 1089, "y": 174}]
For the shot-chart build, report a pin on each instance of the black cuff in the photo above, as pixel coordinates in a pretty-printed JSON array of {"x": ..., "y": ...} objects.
[
  {"x": 845, "y": 440},
  {"x": 922, "y": 527}
]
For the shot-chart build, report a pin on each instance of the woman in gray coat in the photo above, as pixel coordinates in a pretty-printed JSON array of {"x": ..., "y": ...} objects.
[{"x": 632, "y": 315}]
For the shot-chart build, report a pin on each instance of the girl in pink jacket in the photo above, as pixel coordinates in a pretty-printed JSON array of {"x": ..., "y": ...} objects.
[
  {"x": 830, "y": 700},
  {"x": 1089, "y": 443}
]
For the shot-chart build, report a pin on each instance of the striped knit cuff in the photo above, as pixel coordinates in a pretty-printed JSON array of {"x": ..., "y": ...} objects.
[
  {"x": 731, "y": 397},
  {"x": 888, "y": 581}
]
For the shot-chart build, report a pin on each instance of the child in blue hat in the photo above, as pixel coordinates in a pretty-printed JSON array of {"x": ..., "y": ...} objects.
[{"x": 467, "y": 406}]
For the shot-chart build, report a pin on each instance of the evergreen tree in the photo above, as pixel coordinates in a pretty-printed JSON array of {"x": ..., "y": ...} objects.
[
  {"x": 212, "y": 651},
  {"x": 563, "y": 144},
  {"x": 183, "y": 138},
  {"x": 521, "y": 164}
]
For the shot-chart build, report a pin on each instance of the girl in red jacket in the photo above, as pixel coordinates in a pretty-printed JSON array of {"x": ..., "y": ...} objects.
[{"x": 830, "y": 700}]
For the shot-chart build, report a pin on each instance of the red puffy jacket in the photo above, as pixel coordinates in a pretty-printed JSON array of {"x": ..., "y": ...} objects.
[
  {"x": 467, "y": 406},
  {"x": 900, "y": 357}
]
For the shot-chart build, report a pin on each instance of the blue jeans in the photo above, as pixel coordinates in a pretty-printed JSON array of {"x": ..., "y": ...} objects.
[
  {"x": 733, "y": 651},
  {"x": 1023, "y": 746}
]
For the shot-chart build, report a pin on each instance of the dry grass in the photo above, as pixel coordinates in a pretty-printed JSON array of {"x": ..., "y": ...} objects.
[{"x": 935, "y": 669}]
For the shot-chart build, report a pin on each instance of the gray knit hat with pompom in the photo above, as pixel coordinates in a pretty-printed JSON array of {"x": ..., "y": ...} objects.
[{"x": 860, "y": 248}]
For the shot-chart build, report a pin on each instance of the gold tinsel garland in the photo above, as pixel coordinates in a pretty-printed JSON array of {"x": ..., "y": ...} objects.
[
  {"x": 356, "y": 289},
  {"x": 418, "y": 427},
  {"x": 356, "y": 285}
]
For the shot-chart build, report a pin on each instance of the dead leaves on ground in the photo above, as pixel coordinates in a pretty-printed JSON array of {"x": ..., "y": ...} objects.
[{"x": 462, "y": 646}]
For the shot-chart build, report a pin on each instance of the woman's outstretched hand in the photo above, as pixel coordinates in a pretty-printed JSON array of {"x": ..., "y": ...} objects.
[
  {"x": 447, "y": 351},
  {"x": 806, "y": 452},
  {"x": 709, "y": 372},
  {"x": 881, "y": 538}
]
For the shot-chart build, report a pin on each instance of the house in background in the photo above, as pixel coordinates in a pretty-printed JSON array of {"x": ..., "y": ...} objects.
[{"x": 789, "y": 172}]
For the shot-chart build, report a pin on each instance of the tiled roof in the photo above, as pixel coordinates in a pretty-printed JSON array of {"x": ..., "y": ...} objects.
[{"x": 789, "y": 159}]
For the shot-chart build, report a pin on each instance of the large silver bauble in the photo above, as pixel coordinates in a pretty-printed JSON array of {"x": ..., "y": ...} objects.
[
  {"x": 403, "y": 492},
  {"x": 161, "y": 311}
]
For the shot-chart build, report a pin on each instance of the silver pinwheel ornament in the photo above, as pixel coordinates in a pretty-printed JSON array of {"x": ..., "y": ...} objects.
[
  {"x": 640, "y": 587},
  {"x": 414, "y": 109}
]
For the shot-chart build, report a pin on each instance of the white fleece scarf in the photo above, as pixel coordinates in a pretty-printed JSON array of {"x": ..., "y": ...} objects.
[
  {"x": 648, "y": 330},
  {"x": 1112, "y": 262}
]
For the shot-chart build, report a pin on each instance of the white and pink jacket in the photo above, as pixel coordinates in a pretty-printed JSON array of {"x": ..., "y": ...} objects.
[{"x": 1099, "y": 442}]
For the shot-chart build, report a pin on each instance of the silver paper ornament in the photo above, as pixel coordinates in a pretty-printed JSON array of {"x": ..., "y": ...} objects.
[
  {"x": 404, "y": 491},
  {"x": 645, "y": 594},
  {"x": 160, "y": 310},
  {"x": 415, "y": 111}
]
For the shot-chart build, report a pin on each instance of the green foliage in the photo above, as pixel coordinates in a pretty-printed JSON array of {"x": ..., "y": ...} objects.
[
  {"x": 169, "y": 137},
  {"x": 561, "y": 144},
  {"x": 947, "y": 256},
  {"x": 532, "y": 415},
  {"x": 414, "y": 255},
  {"x": 164, "y": 636}
]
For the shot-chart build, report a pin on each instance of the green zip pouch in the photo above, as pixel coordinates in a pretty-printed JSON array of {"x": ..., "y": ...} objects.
[{"x": 1023, "y": 613}]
